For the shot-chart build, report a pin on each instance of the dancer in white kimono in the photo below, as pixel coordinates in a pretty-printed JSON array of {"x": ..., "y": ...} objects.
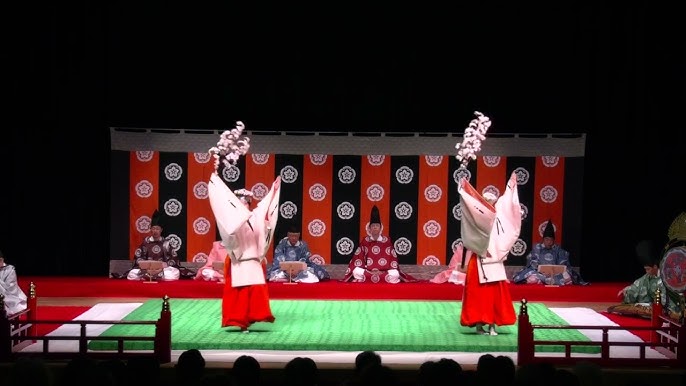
[{"x": 14, "y": 297}]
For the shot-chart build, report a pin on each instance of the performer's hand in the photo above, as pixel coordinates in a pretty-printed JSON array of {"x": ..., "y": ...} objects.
[
  {"x": 277, "y": 183},
  {"x": 621, "y": 293}
]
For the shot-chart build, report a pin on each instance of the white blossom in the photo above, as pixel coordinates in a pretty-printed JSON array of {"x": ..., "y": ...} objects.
[
  {"x": 230, "y": 147},
  {"x": 474, "y": 134},
  {"x": 243, "y": 192}
]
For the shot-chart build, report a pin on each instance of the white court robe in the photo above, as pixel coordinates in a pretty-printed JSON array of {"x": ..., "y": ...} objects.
[{"x": 246, "y": 235}]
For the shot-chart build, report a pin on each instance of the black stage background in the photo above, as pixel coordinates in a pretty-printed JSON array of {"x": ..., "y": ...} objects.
[{"x": 72, "y": 70}]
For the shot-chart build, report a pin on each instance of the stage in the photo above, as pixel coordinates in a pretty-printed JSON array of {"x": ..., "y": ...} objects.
[{"x": 103, "y": 287}]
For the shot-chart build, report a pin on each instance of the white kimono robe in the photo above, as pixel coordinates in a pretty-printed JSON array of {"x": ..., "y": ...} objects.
[
  {"x": 15, "y": 298},
  {"x": 490, "y": 231},
  {"x": 246, "y": 235}
]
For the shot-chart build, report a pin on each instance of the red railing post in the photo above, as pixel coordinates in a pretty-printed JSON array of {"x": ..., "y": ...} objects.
[
  {"x": 656, "y": 321},
  {"x": 525, "y": 336},
  {"x": 32, "y": 305},
  {"x": 605, "y": 344},
  {"x": 163, "y": 333}
]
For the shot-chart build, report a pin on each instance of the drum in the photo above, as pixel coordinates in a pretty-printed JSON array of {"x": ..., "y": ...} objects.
[{"x": 673, "y": 266}]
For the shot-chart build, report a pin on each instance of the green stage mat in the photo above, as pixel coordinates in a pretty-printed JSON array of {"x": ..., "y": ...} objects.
[{"x": 327, "y": 325}]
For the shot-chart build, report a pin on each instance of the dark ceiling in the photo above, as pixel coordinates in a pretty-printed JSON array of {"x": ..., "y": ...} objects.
[{"x": 412, "y": 68}]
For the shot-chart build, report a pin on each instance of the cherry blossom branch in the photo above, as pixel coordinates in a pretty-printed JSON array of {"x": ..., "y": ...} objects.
[
  {"x": 231, "y": 146},
  {"x": 474, "y": 134}
]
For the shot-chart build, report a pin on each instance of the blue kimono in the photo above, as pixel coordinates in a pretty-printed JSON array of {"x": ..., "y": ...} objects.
[
  {"x": 554, "y": 255},
  {"x": 284, "y": 251}
]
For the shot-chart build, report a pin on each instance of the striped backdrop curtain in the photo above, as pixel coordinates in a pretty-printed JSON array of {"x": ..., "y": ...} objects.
[{"x": 330, "y": 198}]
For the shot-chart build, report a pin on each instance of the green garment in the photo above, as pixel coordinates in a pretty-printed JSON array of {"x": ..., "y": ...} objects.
[{"x": 643, "y": 291}]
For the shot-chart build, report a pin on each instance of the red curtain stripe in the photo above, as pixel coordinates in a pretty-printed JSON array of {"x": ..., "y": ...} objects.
[
  {"x": 316, "y": 204},
  {"x": 491, "y": 175},
  {"x": 375, "y": 190},
  {"x": 259, "y": 175},
  {"x": 432, "y": 210},
  {"x": 548, "y": 196},
  {"x": 200, "y": 226},
  {"x": 143, "y": 195}
]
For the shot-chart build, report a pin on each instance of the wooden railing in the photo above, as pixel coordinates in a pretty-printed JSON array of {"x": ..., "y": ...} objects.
[
  {"x": 664, "y": 339},
  {"x": 15, "y": 323},
  {"x": 17, "y": 331}
]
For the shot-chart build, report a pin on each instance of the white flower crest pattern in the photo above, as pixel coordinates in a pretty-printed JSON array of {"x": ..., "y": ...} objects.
[
  {"x": 519, "y": 248},
  {"x": 433, "y": 160},
  {"x": 200, "y": 258},
  {"x": 345, "y": 210},
  {"x": 173, "y": 207},
  {"x": 460, "y": 173},
  {"x": 317, "y": 259},
  {"x": 317, "y": 192},
  {"x": 200, "y": 190},
  {"x": 403, "y": 210},
  {"x": 260, "y": 159},
  {"x": 344, "y": 246},
  {"x": 375, "y": 192},
  {"x": 316, "y": 228},
  {"x": 144, "y": 189},
  {"x": 346, "y": 175},
  {"x": 491, "y": 160},
  {"x": 231, "y": 173},
  {"x": 259, "y": 190},
  {"x": 550, "y": 161},
  {"x": 431, "y": 260},
  {"x": 524, "y": 210},
  {"x": 143, "y": 224},
  {"x": 318, "y": 159},
  {"x": 202, "y": 158},
  {"x": 522, "y": 175},
  {"x": 404, "y": 175},
  {"x": 289, "y": 174},
  {"x": 173, "y": 172},
  {"x": 174, "y": 242},
  {"x": 457, "y": 212},
  {"x": 402, "y": 246},
  {"x": 288, "y": 209},
  {"x": 433, "y": 193},
  {"x": 432, "y": 228},
  {"x": 548, "y": 194},
  {"x": 201, "y": 226},
  {"x": 375, "y": 160},
  {"x": 145, "y": 155}
]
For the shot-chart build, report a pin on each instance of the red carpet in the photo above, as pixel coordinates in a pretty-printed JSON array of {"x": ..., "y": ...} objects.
[
  {"x": 56, "y": 313},
  {"x": 633, "y": 322},
  {"x": 105, "y": 287}
]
